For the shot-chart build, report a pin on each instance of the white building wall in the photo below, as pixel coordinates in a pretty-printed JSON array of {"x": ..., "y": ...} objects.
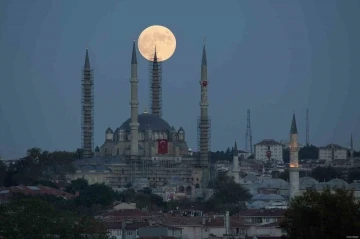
[
  {"x": 327, "y": 154},
  {"x": 264, "y": 231},
  {"x": 276, "y": 152},
  {"x": 191, "y": 232}
]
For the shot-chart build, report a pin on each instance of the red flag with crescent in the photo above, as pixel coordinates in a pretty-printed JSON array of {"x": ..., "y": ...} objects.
[
  {"x": 162, "y": 146},
  {"x": 268, "y": 154}
]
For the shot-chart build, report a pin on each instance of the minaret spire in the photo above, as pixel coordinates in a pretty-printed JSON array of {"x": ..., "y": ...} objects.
[
  {"x": 87, "y": 105},
  {"x": 294, "y": 159},
  {"x": 155, "y": 86},
  {"x": 351, "y": 151},
  {"x": 235, "y": 164},
  {"x": 204, "y": 122},
  {"x": 133, "y": 57},
  {"x": 293, "y": 129},
  {"x": 87, "y": 60},
  {"x": 134, "y": 104}
]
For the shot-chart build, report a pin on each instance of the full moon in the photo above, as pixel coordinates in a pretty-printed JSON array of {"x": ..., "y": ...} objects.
[{"x": 161, "y": 38}]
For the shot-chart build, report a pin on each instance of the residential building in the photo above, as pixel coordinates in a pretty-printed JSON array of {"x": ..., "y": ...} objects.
[
  {"x": 243, "y": 154},
  {"x": 332, "y": 152},
  {"x": 132, "y": 230},
  {"x": 262, "y": 148}
]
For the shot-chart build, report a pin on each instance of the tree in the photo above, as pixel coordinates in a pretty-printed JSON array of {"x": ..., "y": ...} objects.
[
  {"x": 325, "y": 173},
  {"x": 309, "y": 152},
  {"x": 228, "y": 195},
  {"x": 286, "y": 155},
  {"x": 322, "y": 215},
  {"x": 34, "y": 218},
  {"x": 285, "y": 175},
  {"x": 77, "y": 185},
  {"x": 2, "y": 173},
  {"x": 354, "y": 174},
  {"x": 95, "y": 194}
]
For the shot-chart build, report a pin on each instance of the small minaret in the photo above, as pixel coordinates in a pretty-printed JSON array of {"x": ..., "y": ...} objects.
[
  {"x": 235, "y": 163},
  {"x": 294, "y": 160},
  {"x": 134, "y": 104},
  {"x": 351, "y": 151},
  {"x": 87, "y": 105},
  {"x": 203, "y": 123},
  {"x": 155, "y": 86}
]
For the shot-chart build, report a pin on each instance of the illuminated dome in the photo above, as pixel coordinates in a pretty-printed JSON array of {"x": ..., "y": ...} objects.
[{"x": 148, "y": 121}]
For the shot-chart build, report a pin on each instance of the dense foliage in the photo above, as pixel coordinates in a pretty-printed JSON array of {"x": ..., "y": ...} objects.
[
  {"x": 322, "y": 215},
  {"x": 228, "y": 195},
  {"x": 37, "y": 166},
  {"x": 35, "y": 218}
]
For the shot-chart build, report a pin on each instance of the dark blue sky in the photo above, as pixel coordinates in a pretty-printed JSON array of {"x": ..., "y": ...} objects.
[{"x": 272, "y": 56}]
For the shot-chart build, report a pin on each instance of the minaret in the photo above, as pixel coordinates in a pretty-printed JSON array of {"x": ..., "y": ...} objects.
[
  {"x": 235, "y": 164},
  {"x": 87, "y": 105},
  {"x": 134, "y": 104},
  {"x": 155, "y": 86},
  {"x": 351, "y": 151},
  {"x": 204, "y": 120},
  {"x": 294, "y": 160}
]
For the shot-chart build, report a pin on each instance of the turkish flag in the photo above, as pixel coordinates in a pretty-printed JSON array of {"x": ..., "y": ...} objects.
[
  {"x": 268, "y": 154},
  {"x": 162, "y": 146}
]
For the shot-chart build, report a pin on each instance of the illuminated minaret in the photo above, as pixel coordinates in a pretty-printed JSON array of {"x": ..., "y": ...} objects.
[
  {"x": 87, "y": 105},
  {"x": 134, "y": 104},
  {"x": 351, "y": 151},
  {"x": 235, "y": 164},
  {"x": 204, "y": 119},
  {"x": 294, "y": 160}
]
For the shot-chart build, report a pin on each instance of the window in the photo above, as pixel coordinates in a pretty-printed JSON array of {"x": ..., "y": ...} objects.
[{"x": 129, "y": 233}]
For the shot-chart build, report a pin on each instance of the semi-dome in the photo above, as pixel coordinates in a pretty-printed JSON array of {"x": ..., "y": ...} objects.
[{"x": 148, "y": 121}]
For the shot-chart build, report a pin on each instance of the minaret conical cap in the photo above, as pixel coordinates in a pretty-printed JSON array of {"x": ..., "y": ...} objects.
[
  {"x": 235, "y": 149},
  {"x": 293, "y": 129},
  {"x": 87, "y": 60},
  {"x": 204, "y": 60},
  {"x": 155, "y": 55},
  {"x": 133, "y": 58}
]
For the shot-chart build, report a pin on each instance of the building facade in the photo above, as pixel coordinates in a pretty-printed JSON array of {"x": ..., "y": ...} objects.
[
  {"x": 262, "y": 148},
  {"x": 332, "y": 152},
  {"x": 147, "y": 148}
]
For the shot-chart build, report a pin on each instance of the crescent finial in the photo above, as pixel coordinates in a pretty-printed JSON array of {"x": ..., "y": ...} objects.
[{"x": 204, "y": 40}]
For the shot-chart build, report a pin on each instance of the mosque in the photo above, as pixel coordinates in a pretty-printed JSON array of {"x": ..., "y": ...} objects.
[{"x": 145, "y": 150}]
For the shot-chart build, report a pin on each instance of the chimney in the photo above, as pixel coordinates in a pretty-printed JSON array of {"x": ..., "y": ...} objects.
[
  {"x": 123, "y": 225},
  {"x": 203, "y": 220},
  {"x": 227, "y": 223}
]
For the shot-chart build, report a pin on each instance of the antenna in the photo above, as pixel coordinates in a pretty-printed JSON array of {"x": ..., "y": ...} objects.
[
  {"x": 307, "y": 127},
  {"x": 248, "y": 134}
]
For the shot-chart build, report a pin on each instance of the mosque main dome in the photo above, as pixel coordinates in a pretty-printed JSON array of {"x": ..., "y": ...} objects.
[{"x": 148, "y": 121}]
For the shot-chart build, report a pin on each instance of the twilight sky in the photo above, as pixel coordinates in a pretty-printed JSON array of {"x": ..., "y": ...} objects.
[{"x": 272, "y": 56}]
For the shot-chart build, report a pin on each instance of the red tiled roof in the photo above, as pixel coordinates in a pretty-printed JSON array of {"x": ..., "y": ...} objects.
[
  {"x": 37, "y": 190},
  {"x": 263, "y": 237},
  {"x": 262, "y": 213},
  {"x": 198, "y": 221},
  {"x": 134, "y": 225},
  {"x": 159, "y": 237}
]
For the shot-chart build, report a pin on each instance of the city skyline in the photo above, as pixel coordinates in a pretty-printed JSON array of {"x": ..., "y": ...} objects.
[{"x": 281, "y": 42}]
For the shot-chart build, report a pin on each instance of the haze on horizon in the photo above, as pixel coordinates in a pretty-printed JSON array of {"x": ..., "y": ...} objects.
[{"x": 273, "y": 57}]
